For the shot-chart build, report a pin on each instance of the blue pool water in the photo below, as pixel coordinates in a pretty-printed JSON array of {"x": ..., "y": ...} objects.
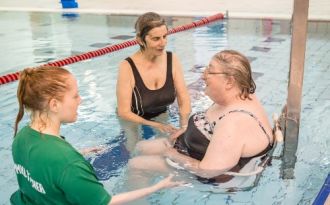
[{"x": 36, "y": 38}]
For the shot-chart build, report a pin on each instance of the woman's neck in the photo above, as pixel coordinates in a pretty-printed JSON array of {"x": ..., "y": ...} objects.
[
  {"x": 232, "y": 101},
  {"x": 46, "y": 125},
  {"x": 146, "y": 56}
]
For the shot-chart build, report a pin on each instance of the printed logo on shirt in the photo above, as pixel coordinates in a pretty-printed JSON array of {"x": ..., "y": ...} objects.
[{"x": 19, "y": 169}]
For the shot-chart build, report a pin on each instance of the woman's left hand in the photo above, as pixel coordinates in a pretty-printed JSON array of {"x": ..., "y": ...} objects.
[{"x": 175, "y": 135}]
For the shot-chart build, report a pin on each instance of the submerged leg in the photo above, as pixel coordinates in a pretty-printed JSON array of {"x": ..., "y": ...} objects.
[
  {"x": 152, "y": 147},
  {"x": 142, "y": 171},
  {"x": 131, "y": 133}
]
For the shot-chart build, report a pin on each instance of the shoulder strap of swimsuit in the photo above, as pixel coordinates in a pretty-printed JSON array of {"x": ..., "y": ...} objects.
[
  {"x": 169, "y": 65},
  {"x": 252, "y": 115},
  {"x": 138, "y": 79}
]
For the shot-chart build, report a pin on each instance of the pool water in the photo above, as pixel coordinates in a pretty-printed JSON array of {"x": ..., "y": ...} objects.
[{"x": 37, "y": 38}]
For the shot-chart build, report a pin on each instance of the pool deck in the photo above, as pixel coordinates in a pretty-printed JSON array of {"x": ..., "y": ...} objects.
[{"x": 280, "y": 9}]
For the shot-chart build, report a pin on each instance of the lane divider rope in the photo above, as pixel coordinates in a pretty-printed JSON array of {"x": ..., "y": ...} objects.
[{"x": 92, "y": 54}]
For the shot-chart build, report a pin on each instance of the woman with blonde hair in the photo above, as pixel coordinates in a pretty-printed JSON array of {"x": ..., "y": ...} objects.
[
  {"x": 225, "y": 136},
  {"x": 48, "y": 169}
]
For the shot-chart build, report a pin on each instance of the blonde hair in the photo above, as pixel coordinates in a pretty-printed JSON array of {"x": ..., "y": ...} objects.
[
  {"x": 237, "y": 65},
  {"x": 37, "y": 86}
]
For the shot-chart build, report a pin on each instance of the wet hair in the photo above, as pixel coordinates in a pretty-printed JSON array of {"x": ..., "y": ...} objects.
[
  {"x": 145, "y": 23},
  {"x": 237, "y": 65},
  {"x": 37, "y": 86}
]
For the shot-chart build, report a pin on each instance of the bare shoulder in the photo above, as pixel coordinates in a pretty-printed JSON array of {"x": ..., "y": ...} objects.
[
  {"x": 125, "y": 69},
  {"x": 124, "y": 65},
  {"x": 175, "y": 58},
  {"x": 249, "y": 124},
  {"x": 231, "y": 123},
  {"x": 125, "y": 73},
  {"x": 177, "y": 67},
  {"x": 236, "y": 120}
]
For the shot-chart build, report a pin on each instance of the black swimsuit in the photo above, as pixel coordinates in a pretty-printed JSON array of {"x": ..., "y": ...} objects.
[
  {"x": 195, "y": 140},
  {"x": 150, "y": 103}
]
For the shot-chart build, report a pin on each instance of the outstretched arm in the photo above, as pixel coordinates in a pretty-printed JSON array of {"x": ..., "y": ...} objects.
[{"x": 139, "y": 193}]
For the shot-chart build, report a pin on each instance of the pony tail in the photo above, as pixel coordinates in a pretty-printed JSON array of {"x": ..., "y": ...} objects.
[
  {"x": 19, "y": 117},
  {"x": 20, "y": 96}
]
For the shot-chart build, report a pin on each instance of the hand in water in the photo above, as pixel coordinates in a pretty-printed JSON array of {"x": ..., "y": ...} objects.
[
  {"x": 93, "y": 150},
  {"x": 166, "y": 128},
  {"x": 175, "y": 135},
  {"x": 168, "y": 182}
]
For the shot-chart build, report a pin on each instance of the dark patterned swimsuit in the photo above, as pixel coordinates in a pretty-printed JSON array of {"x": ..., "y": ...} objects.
[
  {"x": 150, "y": 103},
  {"x": 196, "y": 139}
]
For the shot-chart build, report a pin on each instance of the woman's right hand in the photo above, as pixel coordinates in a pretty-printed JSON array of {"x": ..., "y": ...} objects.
[{"x": 165, "y": 127}]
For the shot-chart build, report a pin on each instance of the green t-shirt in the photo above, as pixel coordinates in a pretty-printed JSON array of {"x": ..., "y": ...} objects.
[{"x": 50, "y": 171}]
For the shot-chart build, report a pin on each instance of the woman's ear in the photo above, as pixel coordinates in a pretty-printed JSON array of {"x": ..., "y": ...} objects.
[
  {"x": 139, "y": 40},
  {"x": 230, "y": 82},
  {"x": 54, "y": 105}
]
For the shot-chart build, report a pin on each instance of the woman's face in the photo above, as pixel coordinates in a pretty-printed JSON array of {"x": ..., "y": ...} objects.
[
  {"x": 156, "y": 40},
  {"x": 71, "y": 100},
  {"x": 215, "y": 79}
]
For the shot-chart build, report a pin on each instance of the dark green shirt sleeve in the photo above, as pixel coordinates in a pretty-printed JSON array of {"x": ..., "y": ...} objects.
[{"x": 80, "y": 185}]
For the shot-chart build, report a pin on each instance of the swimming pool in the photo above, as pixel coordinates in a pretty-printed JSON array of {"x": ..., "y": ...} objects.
[{"x": 36, "y": 38}]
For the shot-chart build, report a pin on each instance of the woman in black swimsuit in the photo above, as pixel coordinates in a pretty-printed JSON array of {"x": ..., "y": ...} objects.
[
  {"x": 233, "y": 130},
  {"x": 151, "y": 78}
]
